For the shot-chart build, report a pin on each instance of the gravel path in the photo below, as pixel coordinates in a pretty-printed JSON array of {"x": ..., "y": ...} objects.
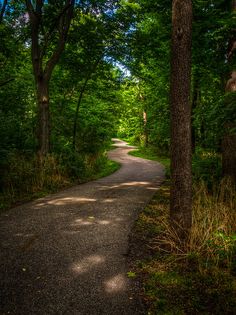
[{"x": 66, "y": 253}]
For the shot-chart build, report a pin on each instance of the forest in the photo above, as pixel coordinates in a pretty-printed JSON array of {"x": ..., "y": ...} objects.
[{"x": 160, "y": 75}]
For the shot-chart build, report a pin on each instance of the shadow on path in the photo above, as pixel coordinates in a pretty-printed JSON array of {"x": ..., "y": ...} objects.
[{"x": 66, "y": 253}]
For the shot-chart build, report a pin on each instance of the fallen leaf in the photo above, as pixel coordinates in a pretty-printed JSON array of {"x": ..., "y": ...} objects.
[{"x": 131, "y": 274}]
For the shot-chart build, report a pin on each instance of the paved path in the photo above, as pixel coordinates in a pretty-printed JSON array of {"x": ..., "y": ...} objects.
[{"x": 66, "y": 253}]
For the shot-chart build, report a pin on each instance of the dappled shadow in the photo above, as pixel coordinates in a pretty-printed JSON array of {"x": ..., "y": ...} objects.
[{"x": 66, "y": 253}]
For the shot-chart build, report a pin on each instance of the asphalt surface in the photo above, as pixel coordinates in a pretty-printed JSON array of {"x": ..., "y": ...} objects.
[{"x": 66, "y": 253}]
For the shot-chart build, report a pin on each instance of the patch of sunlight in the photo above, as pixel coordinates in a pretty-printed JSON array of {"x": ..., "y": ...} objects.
[
  {"x": 115, "y": 284},
  {"x": 109, "y": 200},
  {"x": 62, "y": 201},
  {"x": 24, "y": 235},
  {"x": 87, "y": 263},
  {"x": 91, "y": 221},
  {"x": 82, "y": 222},
  {"x": 103, "y": 222},
  {"x": 119, "y": 219},
  {"x": 136, "y": 183}
]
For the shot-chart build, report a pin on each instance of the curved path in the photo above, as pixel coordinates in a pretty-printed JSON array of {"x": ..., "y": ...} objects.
[{"x": 66, "y": 253}]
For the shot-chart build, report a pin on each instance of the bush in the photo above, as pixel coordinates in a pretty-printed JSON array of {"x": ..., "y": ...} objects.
[{"x": 207, "y": 167}]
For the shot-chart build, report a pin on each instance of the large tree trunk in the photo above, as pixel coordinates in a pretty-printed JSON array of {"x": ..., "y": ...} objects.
[
  {"x": 181, "y": 174},
  {"x": 195, "y": 99},
  {"x": 229, "y": 138},
  {"x": 43, "y": 117},
  {"x": 42, "y": 65}
]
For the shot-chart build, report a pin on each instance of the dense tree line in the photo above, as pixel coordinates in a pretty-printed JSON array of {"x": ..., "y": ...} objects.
[
  {"x": 59, "y": 88},
  {"x": 74, "y": 73},
  {"x": 159, "y": 74}
]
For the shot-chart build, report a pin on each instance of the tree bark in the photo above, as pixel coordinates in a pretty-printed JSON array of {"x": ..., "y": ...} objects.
[
  {"x": 6, "y": 82},
  {"x": 3, "y": 9},
  {"x": 181, "y": 173},
  {"x": 43, "y": 73},
  {"x": 145, "y": 130},
  {"x": 195, "y": 99},
  {"x": 77, "y": 111},
  {"x": 229, "y": 138},
  {"x": 43, "y": 117}
]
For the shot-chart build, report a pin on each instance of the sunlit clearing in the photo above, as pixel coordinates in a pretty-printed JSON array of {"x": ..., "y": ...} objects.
[
  {"x": 115, "y": 284},
  {"x": 87, "y": 264}
]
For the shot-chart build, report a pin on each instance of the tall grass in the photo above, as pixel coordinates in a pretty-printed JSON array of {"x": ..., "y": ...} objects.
[
  {"x": 27, "y": 177},
  {"x": 212, "y": 239}
]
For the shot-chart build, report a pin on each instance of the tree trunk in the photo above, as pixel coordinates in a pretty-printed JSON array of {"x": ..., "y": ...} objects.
[
  {"x": 195, "y": 99},
  {"x": 43, "y": 117},
  {"x": 43, "y": 66},
  {"x": 145, "y": 130},
  {"x": 77, "y": 114},
  {"x": 181, "y": 173},
  {"x": 229, "y": 155},
  {"x": 229, "y": 138},
  {"x": 2, "y": 11}
]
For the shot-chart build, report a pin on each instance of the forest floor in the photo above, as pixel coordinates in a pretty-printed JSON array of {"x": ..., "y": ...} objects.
[
  {"x": 67, "y": 253},
  {"x": 197, "y": 277}
]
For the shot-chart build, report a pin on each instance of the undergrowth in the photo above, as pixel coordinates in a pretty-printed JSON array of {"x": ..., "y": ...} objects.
[
  {"x": 198, "y": 276},
  {"x": 24, "y": 178}
]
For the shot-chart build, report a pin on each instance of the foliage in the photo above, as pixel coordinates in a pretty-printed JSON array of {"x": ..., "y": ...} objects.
[
  {"x": 113, "y": 80},
  {"x": 88, "y": 57},
  {"x": 25, "y": 177}
]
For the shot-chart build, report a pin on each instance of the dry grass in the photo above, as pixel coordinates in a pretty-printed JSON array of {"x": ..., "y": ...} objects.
[
  {"x": 196, "y": 276},
  {"x": 212, "y": 239}
]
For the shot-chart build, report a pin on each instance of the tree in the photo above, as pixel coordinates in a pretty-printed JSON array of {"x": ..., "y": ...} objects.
[
  {"x": 181, "y": 186},
  {"x": 45, "y": 54},
  {"x": 229, "y": 138},
  {"x": 3, "y": 7}
]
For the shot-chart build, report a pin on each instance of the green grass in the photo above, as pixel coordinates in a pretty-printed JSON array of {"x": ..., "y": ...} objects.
[{"x": 107, "y": 169}]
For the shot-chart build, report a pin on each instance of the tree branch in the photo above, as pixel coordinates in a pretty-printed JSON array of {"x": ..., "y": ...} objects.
[
  {"x": 64, "y": 25},
  {"x": 6, "y": 82},
  {"x": 35, "y": 20},
  {"x": 48, "y": 36}
]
